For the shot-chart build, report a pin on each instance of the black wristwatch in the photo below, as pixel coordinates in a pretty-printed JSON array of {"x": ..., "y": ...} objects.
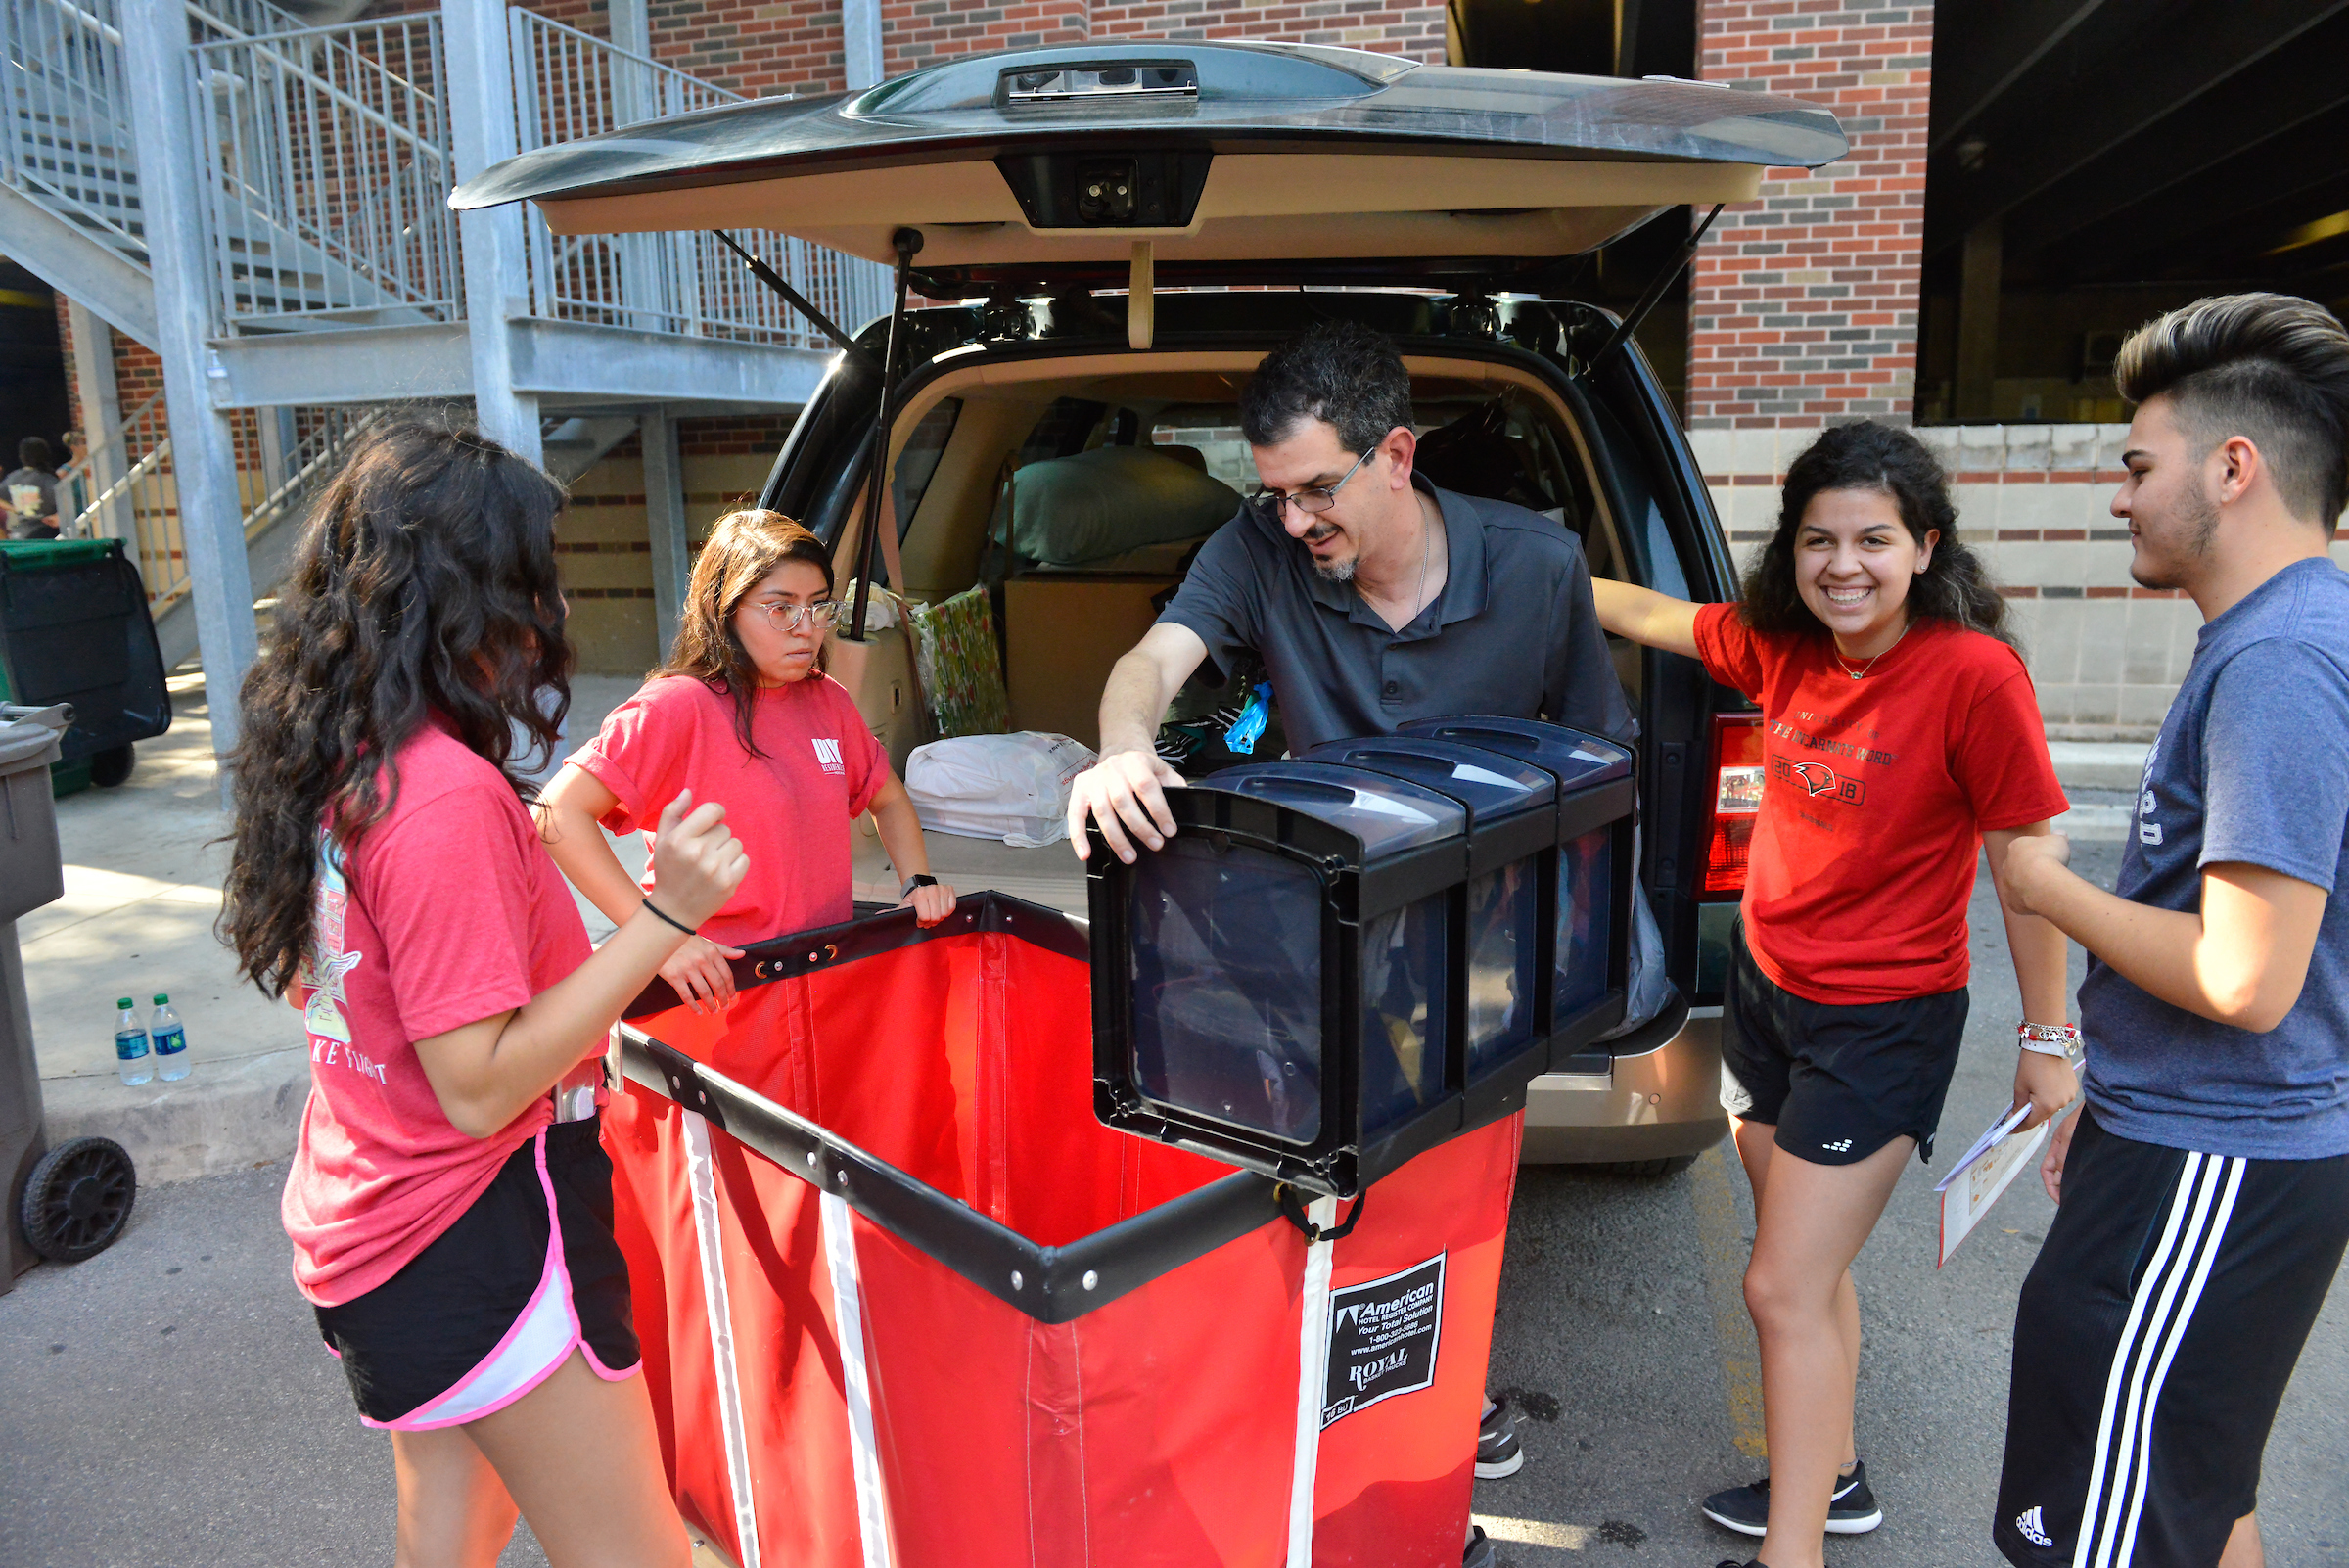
[{"x": 920, "y": 878}]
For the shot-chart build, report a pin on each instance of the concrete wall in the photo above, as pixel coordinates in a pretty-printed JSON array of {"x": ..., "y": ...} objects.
[
  {"x": 2034, "y": 501},
  {"x": 604, "y": 544}
]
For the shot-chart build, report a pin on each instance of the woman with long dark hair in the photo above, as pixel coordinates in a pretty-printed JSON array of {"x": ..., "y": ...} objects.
[
  {"x": 450, "y": 1210},
  {"x": 743, "y": 710},
  {"x": 1900, "y": 735}
]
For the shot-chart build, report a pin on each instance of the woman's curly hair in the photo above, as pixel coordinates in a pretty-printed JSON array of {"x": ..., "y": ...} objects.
[
  {"x": 424, "y": 581},
  {"x": 1869, "y": 456}
]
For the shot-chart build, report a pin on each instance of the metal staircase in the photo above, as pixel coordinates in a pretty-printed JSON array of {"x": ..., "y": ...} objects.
[{"x": 334, "y": 280}]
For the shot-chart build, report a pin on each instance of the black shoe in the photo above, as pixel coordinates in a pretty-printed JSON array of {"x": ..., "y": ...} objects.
[
  {"x": 1480, "y": 1552},
  {"x": 1747, "y": 1509},
  {"x": 1497, "y": 1453}
]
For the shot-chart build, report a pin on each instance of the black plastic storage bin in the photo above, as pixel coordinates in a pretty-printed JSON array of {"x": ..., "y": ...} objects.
[
  {"x": 1497, "y": 914},
  {"x": 1285, "y": 986},
  {"x": 1590, "y": 948},
  {"x": 74, "y": 628}
]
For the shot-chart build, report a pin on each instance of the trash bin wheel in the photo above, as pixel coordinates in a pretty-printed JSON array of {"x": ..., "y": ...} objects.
[
  {"x": 111, "y": 768},
  {"x": 77, "y": 1199}
]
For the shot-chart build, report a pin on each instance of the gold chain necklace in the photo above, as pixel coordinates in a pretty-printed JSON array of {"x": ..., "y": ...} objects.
[{"x": 1871, "y": 664}]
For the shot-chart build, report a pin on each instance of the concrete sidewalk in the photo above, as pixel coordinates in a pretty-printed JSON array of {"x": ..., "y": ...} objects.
[{"x": 144, "y": 867}]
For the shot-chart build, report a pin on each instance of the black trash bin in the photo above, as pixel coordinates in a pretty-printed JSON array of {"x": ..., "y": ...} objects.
[
  {"x": 69, "y": 1201},
  {"x": 74, "y": 628}
]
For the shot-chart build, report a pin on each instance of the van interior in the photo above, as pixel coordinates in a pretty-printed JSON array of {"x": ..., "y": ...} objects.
[{"x": 1075, "y": 490}]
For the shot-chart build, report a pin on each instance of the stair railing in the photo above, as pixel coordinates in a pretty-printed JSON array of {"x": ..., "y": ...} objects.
[
  {"x": 568, "y": 84},
  {"x": 66, "y": 141},
  {"x": 328, "y": 176},
  {"x": 324, "y": 437}
]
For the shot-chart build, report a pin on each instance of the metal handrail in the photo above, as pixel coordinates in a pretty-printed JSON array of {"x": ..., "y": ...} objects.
[
  {"x": 83, "y": 519},
  {"x": 341, "y": 150},
  {"x": 568, "y": 84}
]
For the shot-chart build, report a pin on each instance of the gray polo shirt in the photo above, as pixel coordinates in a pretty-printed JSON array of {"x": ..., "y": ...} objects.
[{"x": 1512, "y": 634}]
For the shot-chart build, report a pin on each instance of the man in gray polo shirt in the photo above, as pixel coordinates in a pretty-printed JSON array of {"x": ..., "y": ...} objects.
[{"x": 1372, "y": 597}]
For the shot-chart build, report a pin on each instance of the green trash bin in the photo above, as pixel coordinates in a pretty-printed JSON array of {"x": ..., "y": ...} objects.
[{"x": 74, "y": 628}]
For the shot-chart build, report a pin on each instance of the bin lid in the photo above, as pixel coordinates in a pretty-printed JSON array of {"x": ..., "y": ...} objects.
[
  {"x": 1576, "y": 759},
  {"x": 1492, "y": 786},
  {"x": 1386, "y": 814},
  {"x": 43, "y": 555},
  {"x": 25, "y": 745}
]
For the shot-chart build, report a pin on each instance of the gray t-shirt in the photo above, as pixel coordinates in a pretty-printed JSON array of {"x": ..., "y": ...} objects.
[
  {"x": 1513, "y": 632},
  {"x": 2253, "y": 766},
  {"x": 31, "y": 495}
]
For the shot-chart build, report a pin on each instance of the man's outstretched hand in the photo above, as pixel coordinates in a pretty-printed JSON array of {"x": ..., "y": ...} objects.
[{"x": 1125, "y": 792}]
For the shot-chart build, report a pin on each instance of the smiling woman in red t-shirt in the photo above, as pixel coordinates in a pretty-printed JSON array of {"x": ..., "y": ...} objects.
[
  {"x": 451, "y": 1224},
  {"x": 1901, "y": 734},
  {"x": 743, "y": 712}
]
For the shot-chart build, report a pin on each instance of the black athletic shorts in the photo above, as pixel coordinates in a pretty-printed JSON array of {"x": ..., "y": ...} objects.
[
  {"x": 2153, "y": 1340},
  {"x": 499, "y": 1299},
  {"x": 1838, "y": 1082}
]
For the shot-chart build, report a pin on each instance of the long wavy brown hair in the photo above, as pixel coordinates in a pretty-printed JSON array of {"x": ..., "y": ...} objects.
[
  {"x": 424, "y": 581},
  {"x": 743, "y": 548},
  {"x": 1867, "y": 456}
]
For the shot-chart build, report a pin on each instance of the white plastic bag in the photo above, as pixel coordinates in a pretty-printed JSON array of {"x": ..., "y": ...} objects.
[{"x": 1009, "y": 787}]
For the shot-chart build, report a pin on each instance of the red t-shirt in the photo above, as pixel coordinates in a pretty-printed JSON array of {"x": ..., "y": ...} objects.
[
  {"x": 791, "y": 808},
  {"x": 1876, "y": 797},
  {"x": 446, "y": 912}
]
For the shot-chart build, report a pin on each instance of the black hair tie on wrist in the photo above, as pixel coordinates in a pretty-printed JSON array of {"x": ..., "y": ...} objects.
[{"x": 680, "y": 924}]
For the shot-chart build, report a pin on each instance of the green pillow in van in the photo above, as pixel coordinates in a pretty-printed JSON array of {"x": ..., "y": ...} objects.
[{"x": 1067, "y": 511}]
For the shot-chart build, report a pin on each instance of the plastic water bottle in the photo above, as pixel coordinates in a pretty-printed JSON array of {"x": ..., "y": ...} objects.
[
  {"x": 130, "y": 1046},
  {"x": 171, "y": 1041}
]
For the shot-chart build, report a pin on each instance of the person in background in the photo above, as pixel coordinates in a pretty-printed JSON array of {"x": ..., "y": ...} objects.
[
  {"x": 29, "y": 492},
  {"x": 451, "y": 1222},
  {"x": 2204, "y": 1187},
  {"x": 1902, "y": 737},
  {"x": 743, "y": 711}
]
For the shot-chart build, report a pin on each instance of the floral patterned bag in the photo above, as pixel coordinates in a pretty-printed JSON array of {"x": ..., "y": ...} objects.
[{"x": 960, "y": 665}]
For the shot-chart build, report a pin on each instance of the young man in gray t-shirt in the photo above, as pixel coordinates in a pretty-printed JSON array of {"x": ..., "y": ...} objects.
[{"x": 2205, "y": 1184}]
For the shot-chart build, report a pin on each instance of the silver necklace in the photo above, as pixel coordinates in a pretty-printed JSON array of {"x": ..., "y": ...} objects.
[{"x": 1871, "y": 664}]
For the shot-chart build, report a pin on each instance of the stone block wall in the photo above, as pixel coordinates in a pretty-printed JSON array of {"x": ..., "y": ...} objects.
[{"x": 2034, "y": 501}]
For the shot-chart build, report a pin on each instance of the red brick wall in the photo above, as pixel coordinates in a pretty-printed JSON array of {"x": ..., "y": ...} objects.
[
  {"x": 1803, "y": 304},
  {"x": 781, "y": 46}
]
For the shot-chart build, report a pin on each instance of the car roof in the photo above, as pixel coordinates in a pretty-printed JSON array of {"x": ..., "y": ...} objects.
[{"x": 1231, "y": 159}]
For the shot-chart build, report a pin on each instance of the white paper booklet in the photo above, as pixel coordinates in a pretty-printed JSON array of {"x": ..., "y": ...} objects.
[{"x": 1974, "y": 1184}]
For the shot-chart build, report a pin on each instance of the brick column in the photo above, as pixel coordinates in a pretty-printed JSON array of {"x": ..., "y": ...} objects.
[{"x": 1803, "y": 305}]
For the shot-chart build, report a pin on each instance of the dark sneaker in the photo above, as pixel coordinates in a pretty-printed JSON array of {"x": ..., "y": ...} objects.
[
  {"x": 1747, "y": 1509},
  {"x": 1480, "y": 1552},
  {"x": 1497, "y": 1453}
]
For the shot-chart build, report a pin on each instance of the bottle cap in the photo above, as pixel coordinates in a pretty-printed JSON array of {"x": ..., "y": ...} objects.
[
  {"x": 160, "y": 998},
  {"x": 124, "y": 1003}
]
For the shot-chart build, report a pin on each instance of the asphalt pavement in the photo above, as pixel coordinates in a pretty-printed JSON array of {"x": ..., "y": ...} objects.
[{"x": 169, "y": 1403}]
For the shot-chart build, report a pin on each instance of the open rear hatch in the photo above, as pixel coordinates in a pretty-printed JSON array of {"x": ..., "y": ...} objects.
[{"x": 1235, "y": 161}]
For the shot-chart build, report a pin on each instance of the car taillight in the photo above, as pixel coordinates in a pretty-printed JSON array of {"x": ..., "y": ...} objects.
[{"x": 1739, "y": 774}]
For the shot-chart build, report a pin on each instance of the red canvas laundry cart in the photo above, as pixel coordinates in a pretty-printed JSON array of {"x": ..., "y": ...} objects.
[{"x": 906, "y": 1300}]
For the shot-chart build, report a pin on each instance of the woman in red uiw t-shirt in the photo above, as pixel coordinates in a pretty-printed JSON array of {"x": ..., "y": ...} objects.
[
  {"x": 450, "y": 1228},
  {"x": 1900, "y": 732},
  {"x": 743, "y": 712}
]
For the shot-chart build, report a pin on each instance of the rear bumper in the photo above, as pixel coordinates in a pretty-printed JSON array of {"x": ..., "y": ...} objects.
[{"x": 1655, "y": 1105}]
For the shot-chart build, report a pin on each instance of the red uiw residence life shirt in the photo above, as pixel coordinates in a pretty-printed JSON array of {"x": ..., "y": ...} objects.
[
  {"x": 446, "y": 912},
  {"x": 790, "y": 807},
  {"x": 1877, "y": 793}
]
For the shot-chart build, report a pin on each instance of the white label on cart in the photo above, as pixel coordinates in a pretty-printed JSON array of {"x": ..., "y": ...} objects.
[{"x": 1382, "y": 1339}]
